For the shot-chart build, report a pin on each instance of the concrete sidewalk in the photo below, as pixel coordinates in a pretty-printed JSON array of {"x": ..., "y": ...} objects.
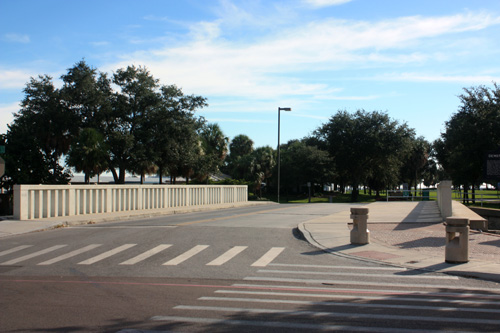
[{"x": 405, "y": 234}]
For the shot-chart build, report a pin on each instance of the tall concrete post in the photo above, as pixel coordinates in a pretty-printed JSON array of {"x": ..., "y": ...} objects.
[
  {"x": 457, "y": 240},
  {"x": 444, "y": 198},
  {"x": 360, "y": 233}
]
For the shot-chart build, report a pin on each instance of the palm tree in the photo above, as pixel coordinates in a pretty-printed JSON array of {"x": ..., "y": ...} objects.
[{"x": 214, "y": 146}]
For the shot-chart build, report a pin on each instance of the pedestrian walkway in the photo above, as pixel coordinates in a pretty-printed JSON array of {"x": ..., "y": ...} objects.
[{"x": 405, "y": 234}]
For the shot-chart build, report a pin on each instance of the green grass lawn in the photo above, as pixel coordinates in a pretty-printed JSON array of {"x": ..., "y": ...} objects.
[{"x": 346, "y": 197}]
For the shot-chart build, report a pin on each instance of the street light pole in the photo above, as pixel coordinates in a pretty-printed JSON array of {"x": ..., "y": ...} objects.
[{"x": 280, "y": 109}]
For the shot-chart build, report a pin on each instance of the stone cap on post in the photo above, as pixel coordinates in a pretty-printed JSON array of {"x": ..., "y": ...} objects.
[
  {"x": 359, "y": 210},
  {"x": 457, "y": 221}
]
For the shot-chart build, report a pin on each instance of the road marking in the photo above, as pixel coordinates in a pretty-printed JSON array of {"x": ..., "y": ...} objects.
[
  {"x": 344, "y": 315},
  {"x": 229, "y": 217},
  {"x": 70, "y": 254},
  {"x": 338, "y": 289},
  {"x": 474, "y": 302},
  {"x": 186, "y": 255},
  {"x": 125, "y": 227},
  {"x": 268, "y": 257},
  {"x": 146, "y": 254},
  {"x": 286, "y": 325},
  {"x": 106, "y": 254},
  {"x": 437, "y": 277},
  {"x": 342, "y": 267},
  {"x": 357, "y": 305},
  {"x": 19, "y": 248},
  {"x": 347, "y": 282},
  {"x": 32, "y": 255},
  {"x": 228, "y": 255}
]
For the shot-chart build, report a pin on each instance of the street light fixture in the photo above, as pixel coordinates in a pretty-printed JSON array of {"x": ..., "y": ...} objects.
[{"x": 279, "y": 111}]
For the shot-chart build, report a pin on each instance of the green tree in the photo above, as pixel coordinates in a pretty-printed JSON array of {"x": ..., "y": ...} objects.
[
  {"x": 262, "y": 163},
  {"x": 363, "y": 143},
  {"x": 87, "y": 95},
  {"x": 470, "y": 133},
  {"x": 303, "y": 162},
  {"x": 237, "y": 162},
  {"x": 214, "y": 146},
  {"x": 126, "y": 131},
  {"x": 88, "y": 154},
  {"x": 415, "y": 163},
  {"x": 40, "y": 134},
  {"x": 173, "y": 130}
]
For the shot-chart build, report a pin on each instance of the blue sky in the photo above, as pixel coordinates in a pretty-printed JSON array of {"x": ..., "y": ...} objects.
[{"x": 410, "y": 59}]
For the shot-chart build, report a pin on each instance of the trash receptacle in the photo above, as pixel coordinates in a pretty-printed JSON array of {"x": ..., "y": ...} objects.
[{"x": 425, "y": 195}]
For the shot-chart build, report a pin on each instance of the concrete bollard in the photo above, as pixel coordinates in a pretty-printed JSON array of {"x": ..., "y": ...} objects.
[
  {"x": 457, "y": 240},
  {"x": 360, "y": 233}
]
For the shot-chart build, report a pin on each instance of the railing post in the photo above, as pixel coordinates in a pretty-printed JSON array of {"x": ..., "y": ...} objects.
[{"x": 20, "y": 203}]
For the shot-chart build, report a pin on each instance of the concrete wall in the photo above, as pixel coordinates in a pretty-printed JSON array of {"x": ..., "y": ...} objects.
[
  {"x": 46, "y": 201},
  {"x": 491, "y": 215}
]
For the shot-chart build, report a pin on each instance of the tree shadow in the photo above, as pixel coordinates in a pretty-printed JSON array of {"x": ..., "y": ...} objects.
[
  {"x": 495, "y": 243},
  {"x": 380, "y": 312},
  {"x": 434, "y": 242}
]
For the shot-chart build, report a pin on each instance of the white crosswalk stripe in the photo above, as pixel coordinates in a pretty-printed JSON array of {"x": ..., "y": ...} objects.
[
  {"x": 350, "y": 274},
  {"x": 145, "y": 255},
  {"x": 228, "y": 255},
  {"x": 186, "y": 255},
  {"x": 18, "y": 248},
  {"x": 70, "y": 254},
  {"x": 106, "y": 254},
  {"x": 360, "y": 305},
  {"x": 267, "y": 258},
  {"x": 32, "y": 255},
  {"x": 221, "y": 259}
]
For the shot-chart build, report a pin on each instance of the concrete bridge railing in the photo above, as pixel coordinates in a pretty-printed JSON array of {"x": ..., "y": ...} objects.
[{"x": 46, "y": 201}]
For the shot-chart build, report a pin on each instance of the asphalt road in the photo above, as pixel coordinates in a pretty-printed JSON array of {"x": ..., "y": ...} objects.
[{"x": 230, "y": 270}]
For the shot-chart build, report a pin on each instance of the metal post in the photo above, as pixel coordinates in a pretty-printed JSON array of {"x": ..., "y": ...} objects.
[
  {"x": 279, "y": 109},
  {"x": 279, "y": 159}
]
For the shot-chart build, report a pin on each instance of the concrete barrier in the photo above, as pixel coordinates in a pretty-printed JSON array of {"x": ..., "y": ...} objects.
[
  {"x": 457, "y": 240},
  {"x": 46, "y": 201},
  {"x": 476, "y": 221},
  {"x": 444, "y": 198},
  {"x": 360, "y": 233}
]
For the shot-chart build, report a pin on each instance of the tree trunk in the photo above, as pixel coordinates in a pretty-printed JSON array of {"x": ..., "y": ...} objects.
[
  {"x": 115, "y": 175},
  {"x": 121, "y": 179},
  {"x": 160, "y": 173}
]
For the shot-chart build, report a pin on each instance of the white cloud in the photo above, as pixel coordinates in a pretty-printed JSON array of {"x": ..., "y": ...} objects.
[
  {"x": 17, "y": 38},
  {"x": 13, "y": 79},
  {"x": 325, "y": 3},
  {"x": 207, "y": 63},
  {"x": 6, "y": 117},
  {"x": 424, "y": 77},
  {"x": 238, "y": 120}
]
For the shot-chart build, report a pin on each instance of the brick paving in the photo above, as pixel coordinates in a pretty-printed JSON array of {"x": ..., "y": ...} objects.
[{"x": 430, "y": 238}]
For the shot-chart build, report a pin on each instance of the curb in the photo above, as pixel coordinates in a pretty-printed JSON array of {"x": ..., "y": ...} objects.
[{"x": 465, "y": 274}]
